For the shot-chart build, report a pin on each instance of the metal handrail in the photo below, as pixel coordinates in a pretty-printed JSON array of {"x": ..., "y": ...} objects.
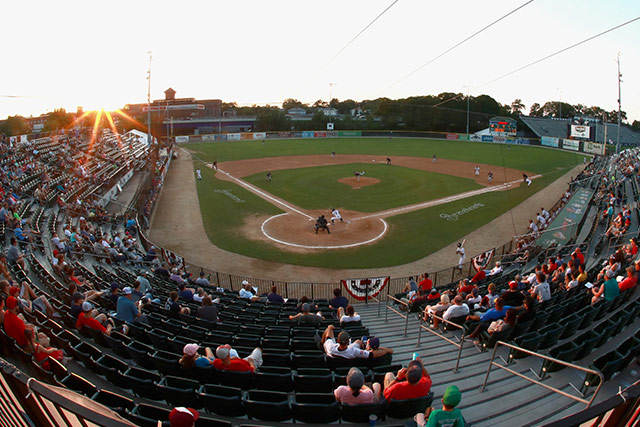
[
  {"x": 459, "y": 345},
  {"x": 551, "y": 359},
  {"x": 404, "y": 316}
]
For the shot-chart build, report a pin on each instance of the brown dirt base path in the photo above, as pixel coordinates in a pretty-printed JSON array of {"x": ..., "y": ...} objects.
[{"x": 181, "y": 230}]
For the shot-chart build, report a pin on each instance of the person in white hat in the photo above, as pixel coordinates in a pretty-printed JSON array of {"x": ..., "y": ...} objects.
[
  {"x": 127, "y": 311},
  {"x": 225, "y": 360},
  {"x": 247, "y": 292}
]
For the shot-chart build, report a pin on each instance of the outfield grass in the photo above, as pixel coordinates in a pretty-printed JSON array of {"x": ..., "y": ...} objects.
[
  {"x": 318, "y": 187},
  {"x": 411, "y": 236},
  {"x": 533, "y": 159}
]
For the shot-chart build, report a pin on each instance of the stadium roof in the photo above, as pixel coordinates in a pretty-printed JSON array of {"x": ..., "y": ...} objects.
[{"x": 559, "y": 128}]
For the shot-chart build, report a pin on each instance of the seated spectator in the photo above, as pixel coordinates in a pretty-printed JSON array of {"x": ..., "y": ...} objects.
[
  {"x": 162, "y": 272},
  {"x": 86, "y": 319},
  {"x": 174, "y": 307},
  {"x": 433, "y": 297},
  {"x": 410, "y": 383},
  {"x": 489, "y": 300},
  {"x": 343, "y": 348},
  {"x": 208, "y": 311},
  {"x": 582, "y": 275},
  {"x": 349, "y": 316},
  {"x": 127, "y": 310},
  {"x": 274, "y": 296},
  {"x": 457, "y": 310},
  {"x": 175, "y": 276},
  {"x": 628, "y": 282},
  {"x": 497, "y": 312},
  {"x": 112, "y": 294},
  {"x": 227, "y": 361},
  {"x": 608, "y": 291},
  {"x": 338, "y": 300},
  {"x": 411, "y": 286},
  {"x": 373, "y": 346},
  {"x": 27, "y": 298},
  {"x": 482, "y": 273},
  {"x": 145, "y": 285},
  {"x": 13, "y": 323},
  {"x": 437, "y": 309},
  {"x": 528, "y": 312},
  {"x": 465, "y": 286},
  {"x": 201, "y": 280},
  {"x": 199, "y": 295},
  {"x": 42, "y": 350},
  {"x": 14, "y": 255},
  {"x": 355, "y": 392},
  {"x": 307, "y": 318},
  {"x": 425, "y": 284},
  {"x": 571, "y": 280},
  {"x": 183, "y": 417},
  {"x": 247, "y": 292},
  {"x": 185, "y": 293},
  {"x": 190, "y": 357},
  {"x": 541, "y": 290},
  {"x": 473, "y": 298},
  {"x": 500, "y": 325},
  {"x": 448, "y": 416},
  {"x": 5, "y": 274}
]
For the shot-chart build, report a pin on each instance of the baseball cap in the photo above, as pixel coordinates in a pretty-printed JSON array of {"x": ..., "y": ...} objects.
[
  {"x": 86, "y": 306},
  {"x": 190, "y": 349},
  {"x": 11, "y": 302},
  {"x": 451, "y": 396},
  {"x": 14, "y": 291},
  {"x": 374, "y": 342},
  {"x": 222, "y": 352},
  {"x": 414, "y": 373},
  {"x": 127, "y": 290},
  {"x": 115, "y": 286},
  {"x": 244, "y": 282},
  {"x": 513, "y": 285},
  {"x": 610, "y": 273},
  {"x": 355, "y": 378},
  {"x": 183, "y": 417},
  {"x": 343, "y": 337}
]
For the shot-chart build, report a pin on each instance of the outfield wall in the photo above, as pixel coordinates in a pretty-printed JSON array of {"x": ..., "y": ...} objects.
[{"x": 559, "y": 143}]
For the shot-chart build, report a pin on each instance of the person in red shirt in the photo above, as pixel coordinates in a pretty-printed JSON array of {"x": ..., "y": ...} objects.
[
  {"x": 552, "y": 265},
  {"x": 86, "y": 319},
  {"x": 224, "y": 361},
  {"x": 580, "y": 255},
  {"x": 465, "y": 286},
  {"x": 13, "y": 325},
  {"x": 41, "y": 350},
  {"x": 410, "y": 383},
  {"x": 426, "y": 284},
  {"x": 629, "y": 281}
]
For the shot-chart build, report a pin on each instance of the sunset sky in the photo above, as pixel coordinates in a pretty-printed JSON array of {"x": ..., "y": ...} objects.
[{"x": 94, "y": 54}]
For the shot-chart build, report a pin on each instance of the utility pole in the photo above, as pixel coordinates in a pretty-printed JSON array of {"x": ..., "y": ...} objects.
[
  {"x": 149, "y": 140},
  {"x": 619, "y": 104},
  {"x": 467, "y": 87},
  {"x": 331, "y": 85}
]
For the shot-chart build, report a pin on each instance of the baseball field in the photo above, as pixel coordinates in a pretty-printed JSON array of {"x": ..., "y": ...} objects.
[{"x": 394, "y": 214}]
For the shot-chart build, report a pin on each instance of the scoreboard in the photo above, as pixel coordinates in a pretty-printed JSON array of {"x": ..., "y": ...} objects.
[{"x": 502, "y": 126}]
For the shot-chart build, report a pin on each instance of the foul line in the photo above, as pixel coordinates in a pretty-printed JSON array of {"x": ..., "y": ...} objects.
[
  {"x": 351, "y": 245},
  {"x": 256, "y": 190},
  {"x": 448, "y": 199}
]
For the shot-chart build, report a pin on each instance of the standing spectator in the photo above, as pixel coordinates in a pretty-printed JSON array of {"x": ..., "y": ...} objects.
[{"x": 355, "y": 392}]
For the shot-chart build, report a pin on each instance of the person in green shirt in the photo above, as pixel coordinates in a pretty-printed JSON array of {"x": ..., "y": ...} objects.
[
  {"x": 448, "y": 416},
  {"x": 609, "y": 289}
]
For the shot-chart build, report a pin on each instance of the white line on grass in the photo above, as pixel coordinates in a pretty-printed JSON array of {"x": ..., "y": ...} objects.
[{"x": 351, "y": 245}]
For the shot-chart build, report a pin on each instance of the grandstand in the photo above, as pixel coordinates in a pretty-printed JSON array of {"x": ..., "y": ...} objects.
[
  {"x": 559, "y": 128},
  {"x": 569, "y": 356}
]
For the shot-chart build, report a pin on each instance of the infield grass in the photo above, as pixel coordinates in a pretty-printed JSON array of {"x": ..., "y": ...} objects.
[{"x": 318, "y": 187}]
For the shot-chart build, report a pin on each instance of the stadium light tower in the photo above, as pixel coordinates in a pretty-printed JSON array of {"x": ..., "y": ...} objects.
[
  {"x": 149, "y": 141},
  {"x": 331, "y": 85},
  {"x": 468, "y": 94},
  {"x": 619, "y": 104}
]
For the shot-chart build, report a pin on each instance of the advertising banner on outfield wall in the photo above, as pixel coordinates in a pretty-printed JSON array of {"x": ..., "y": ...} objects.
[
  {"x": 549, "y": 141},
  {"x": 570, "y": 144},
  {"x": 209, "y": 137},
  {"x": 593, "y": 148},
  {"x": 360, "y": 288},
  {"x": 349, "y": 133},
  {"x": 222, "y": 137},
  {"x": 259, "y": 135},
  {"x": 332, "y": 134},
  {"x": 475, "y": 137},
  {"x": 499, "y": 138},
  {"x": 307, "y": 134},
  {"x": 522, "y": 141},
  {"x": 246, "y": 136},
  {"x": 233, "y": 137},
  {"x": 182, "y": 138},
  {"x": 487, "y": 138},
  {"x": 452, "y": 136},
  {"x": 319, "y": 134}
]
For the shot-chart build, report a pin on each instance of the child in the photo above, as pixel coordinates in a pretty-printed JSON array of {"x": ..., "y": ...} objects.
[{"x": 448, "y": 415}]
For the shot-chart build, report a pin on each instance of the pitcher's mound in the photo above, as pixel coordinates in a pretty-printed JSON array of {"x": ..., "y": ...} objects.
[{"x": 364, "y": 181}]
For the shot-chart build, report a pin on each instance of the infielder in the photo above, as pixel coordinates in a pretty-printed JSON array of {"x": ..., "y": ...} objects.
[
  {"x": 490, "y": 176},
  {"x": 269, "y": 176},
  {"x": 199, "y": 174},
  {"x": 335, "y": 214},
  {"x": 477, "y": 171},
  {"x": 460, "y": 253},
  {"x": 358, "y": 175}
]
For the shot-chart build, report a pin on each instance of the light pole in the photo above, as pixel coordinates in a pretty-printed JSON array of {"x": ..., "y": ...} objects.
[
  {"x": 467, "y": 87},
  {"x": 619, "y": 104},
  {"x": 331, "y": 85},
  {"x": 149, "y": 140}
]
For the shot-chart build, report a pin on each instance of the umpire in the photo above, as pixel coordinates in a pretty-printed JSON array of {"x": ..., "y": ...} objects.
[{"x": 322, "y": 224}]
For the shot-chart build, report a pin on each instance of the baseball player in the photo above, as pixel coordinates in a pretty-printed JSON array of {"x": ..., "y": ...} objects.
[
  {"x": 358, "y": 175},
  {"x": 460, "y": 253},
  {"x": 333, "y": 154},
  {"x": 490, "y": 176},
  {"x": 199, "y": 174},
  {"x": 215, "y": 165},
  {"x": 321, "y": 224},
  {"x": 388, "y": 160},
  {"x": 435, "y": 158},
  {"x": 335, "y": 214},
  {"x": 269, "y": 176},
  {"x": 477, "y": 171}
]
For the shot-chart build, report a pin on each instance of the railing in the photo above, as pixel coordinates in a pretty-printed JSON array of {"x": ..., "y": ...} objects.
[
  {"x": 393, "y": 309},
  {"x": 539, "y": 382},
  {"x": 458, "y": 344}
]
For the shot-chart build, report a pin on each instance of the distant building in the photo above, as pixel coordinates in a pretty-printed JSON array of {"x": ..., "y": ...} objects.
[
  {"x": 190, "y": 116},
  {"x": 297, "y": 111},
  {"x": 329, "y": 112}
]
